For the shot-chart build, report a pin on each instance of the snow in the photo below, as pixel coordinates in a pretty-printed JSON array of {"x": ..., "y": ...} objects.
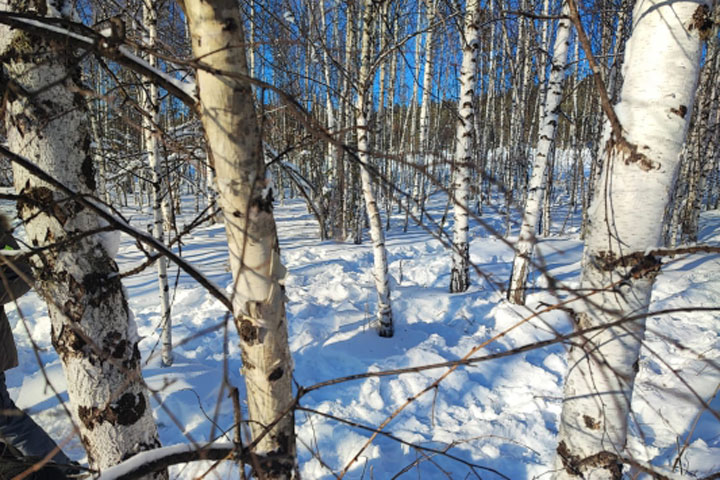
[{"x": 497, "y": 414}]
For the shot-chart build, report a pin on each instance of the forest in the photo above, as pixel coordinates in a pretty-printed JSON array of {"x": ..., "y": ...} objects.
[{"x": 362, "y": 239}]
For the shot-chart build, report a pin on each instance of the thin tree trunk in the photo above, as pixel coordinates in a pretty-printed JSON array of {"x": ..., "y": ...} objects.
[
  {"x": 233, "y": 136},
  {"x": 465, "y": 134},
  {"x": 151, "y": 130},
  {"x": 424, "y": 120},
  {"x": 343, "y": 172},
  {"x": 704, "y": 124},
  {"x": 661, "y": 62},
  {"x": 526, "y": 241},
  {"x": 380, "y": 268},
  {"x": 334, "y": 157}
]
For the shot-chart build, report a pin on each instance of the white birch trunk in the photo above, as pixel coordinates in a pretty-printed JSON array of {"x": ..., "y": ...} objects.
[
  {"x": 424, "y": 120},
  {"x": 526, "y": 240},
  {"x": 380, "y": 268},
  {"x": 233, "y": 136},
  {"x": 210, "y": 189},
  {"x": 251, "y": 37},
  {"x": 465, "y": 135},
  {"x": 91, "y": 325},
  {"x": 490, "y": 98},
  {"x": 660, "y": 76},
  {"x": 151, "y": 130}
]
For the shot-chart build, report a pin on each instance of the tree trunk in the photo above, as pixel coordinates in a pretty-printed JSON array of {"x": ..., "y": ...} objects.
[
  {"x": 91, "y": 325},
  {"x": 233, "y": 136},
  {"x": 380, "y": 268},
  {"x": 465, "y": 134},
  {"x": 151, "y": 130},
  {"x": 526, "y": 241},
  {"x": 661, "y": 63}
]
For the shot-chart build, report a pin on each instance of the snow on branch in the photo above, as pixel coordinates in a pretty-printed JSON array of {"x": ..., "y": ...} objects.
[{"x": 150, "y": 461}]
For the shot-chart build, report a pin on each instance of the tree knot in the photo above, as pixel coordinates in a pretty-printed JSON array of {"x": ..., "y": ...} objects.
[
  {"x": 702, "y": 22},
  {"x": 576, "y": 466},
  {"x": 630, "y": 154},
  {"x": 637, "y": 265}
]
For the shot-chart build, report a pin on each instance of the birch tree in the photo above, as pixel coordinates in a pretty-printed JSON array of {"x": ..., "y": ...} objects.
[
  {"x": 380, "y": 267},
  {"x": 91, "y": 325},
  {"x": 233, "y": 136},
  {"x": 424, "y": 120},
  {"x": 528, "y": 228},
  {"x": 424, "y": 111},
  {"x": 465, "y": 136},
  {"x": 640, "y": 163},
  {"x": 151, "y": 131}
]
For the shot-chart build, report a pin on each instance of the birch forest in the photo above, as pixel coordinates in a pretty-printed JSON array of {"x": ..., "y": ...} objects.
[{"x": 362, "y": 239}]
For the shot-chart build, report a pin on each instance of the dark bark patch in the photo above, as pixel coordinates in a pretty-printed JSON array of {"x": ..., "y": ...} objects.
[
  {"x": 23, "y": 47},
  {"x": 86, "y": 416},
  {"x": 591, "y": 423},
  {"x": 32, "y": 197},
  {"x": 74, "y": 310},
  {"x": 639, "y": 264},
  {"x": 248, "y": 332},
  {"x": 88, "y": 169},
  {"x": 100, "y": 285},
  {"x": 569, "y": 461},
  {"x": 629, "y": 153},
  {"x": 115, "y": 344},
  {"x": 69, "y": 342},
  {"x": 263, "y": 203},
  {"x": 576, "y": 466},
  {"x": 278, "y": 464},
  {"x": 702, "y": 22},
  {"x": 126, "y": 411},
  {"x": 49, "y": 236},
  {"x": 129, "y": 408},
  {"x": 681, "y": 111},
  {"x": 132, "y": 362},
  {"x": 88, "y": 448},
  {"x": 276, "y": 374},
  {"x": 74, "y": 307},
  {"x": 230, "y": 25}
]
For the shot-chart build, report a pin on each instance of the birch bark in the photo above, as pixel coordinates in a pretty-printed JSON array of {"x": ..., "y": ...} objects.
[
  {"x": 465, "y": 135},
  {"x": 424, "y": 127},
  {"x": 380, "y": 268},
  {"x": 233, "y": 137},
  {"x": 660, "y": 76},
  {"x": 151, "y": 130},
  {"x": 526, "y": 240},
  {"x": 91, "y": 325},
  {"x": 704, "y": 124}
]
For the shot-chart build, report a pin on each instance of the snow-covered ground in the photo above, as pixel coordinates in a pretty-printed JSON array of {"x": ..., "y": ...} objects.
[{"x": 494, "y": 419}]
